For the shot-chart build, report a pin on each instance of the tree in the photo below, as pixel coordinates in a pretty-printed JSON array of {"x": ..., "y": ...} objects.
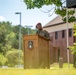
[
  {"x": 13, "y": 57},
  {"x": 33, "y": 31},
  {"x": 39, "y": 3},
  {"x": 15, "y": 29},
  {"x": 59, "y": 7},
  {"x": 73, "y": 48},
  {"x": 5, "y": 29},
  {"x": 3, "y": 60}
]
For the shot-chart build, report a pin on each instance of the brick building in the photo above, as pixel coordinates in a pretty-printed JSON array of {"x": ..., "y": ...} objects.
[{"x": 58, "y": 33}]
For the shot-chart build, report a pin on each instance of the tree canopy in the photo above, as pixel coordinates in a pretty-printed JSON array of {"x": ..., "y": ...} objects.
[
  {"x": 9, "y": 42},
  {"x": 39, "y": 3},
  {"x": 60, "y": 7}
]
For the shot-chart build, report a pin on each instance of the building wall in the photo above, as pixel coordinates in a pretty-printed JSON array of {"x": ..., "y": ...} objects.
[
  {"x": 59, "y": 46},
  {"x": 58, "y": 27}
]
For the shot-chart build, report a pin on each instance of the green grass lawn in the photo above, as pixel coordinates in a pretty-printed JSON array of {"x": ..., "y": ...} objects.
[{"x": 53, "y": 71}]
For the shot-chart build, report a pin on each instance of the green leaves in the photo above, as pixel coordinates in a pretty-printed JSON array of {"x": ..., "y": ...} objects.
[
  {"x": 74, "y": 30},
  {"x": 70, "y": 19},
  {"x": 62, "y": 12},
  {"x": 59, "y": 9},
  {"x": 58, "y": 3},
  {"x": 39, "y": 3},
  {"x": 9, "y": 43},
  {"x": 71, "y": 12},
  {"x": 73, "y": 48},
  {"x": 13, "y": 57},
  {"x": 36, "y": 3},
  {"x": 3, "y": 60}
]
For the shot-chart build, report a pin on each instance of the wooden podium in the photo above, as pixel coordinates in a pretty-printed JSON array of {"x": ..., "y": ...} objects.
[{"x": 36, "y": 52}]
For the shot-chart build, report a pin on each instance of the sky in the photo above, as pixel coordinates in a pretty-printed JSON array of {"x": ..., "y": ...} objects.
[{"x": 28, "y": 17}]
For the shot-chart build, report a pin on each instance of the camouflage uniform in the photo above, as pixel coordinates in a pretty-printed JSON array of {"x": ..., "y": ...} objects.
[{"x": 43, "y": 33}]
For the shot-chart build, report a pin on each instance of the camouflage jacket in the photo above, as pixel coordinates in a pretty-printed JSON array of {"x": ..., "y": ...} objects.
[{"x": 43, "y": 33}]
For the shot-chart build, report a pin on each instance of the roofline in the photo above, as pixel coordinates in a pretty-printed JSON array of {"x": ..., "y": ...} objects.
[{"x": 54, "y": 24}]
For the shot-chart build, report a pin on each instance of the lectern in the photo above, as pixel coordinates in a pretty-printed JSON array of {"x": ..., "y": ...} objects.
[{"x": 36, "y": 52}]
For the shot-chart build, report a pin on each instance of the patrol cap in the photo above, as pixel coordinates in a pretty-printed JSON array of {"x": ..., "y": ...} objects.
[{"x": 38, "y": 24}]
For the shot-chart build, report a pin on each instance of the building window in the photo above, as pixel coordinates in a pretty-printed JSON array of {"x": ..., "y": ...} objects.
[
  {"x": 56, "y": 35},
  {"x": 70, "y": 32},
  {"x": 63, "y": 33}
]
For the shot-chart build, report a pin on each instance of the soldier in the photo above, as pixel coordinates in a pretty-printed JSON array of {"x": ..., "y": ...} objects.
[{"x": 42, "y": 32}]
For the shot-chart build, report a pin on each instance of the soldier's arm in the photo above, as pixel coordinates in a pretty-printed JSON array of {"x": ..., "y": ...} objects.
[{"x": 47, "y": 34}]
